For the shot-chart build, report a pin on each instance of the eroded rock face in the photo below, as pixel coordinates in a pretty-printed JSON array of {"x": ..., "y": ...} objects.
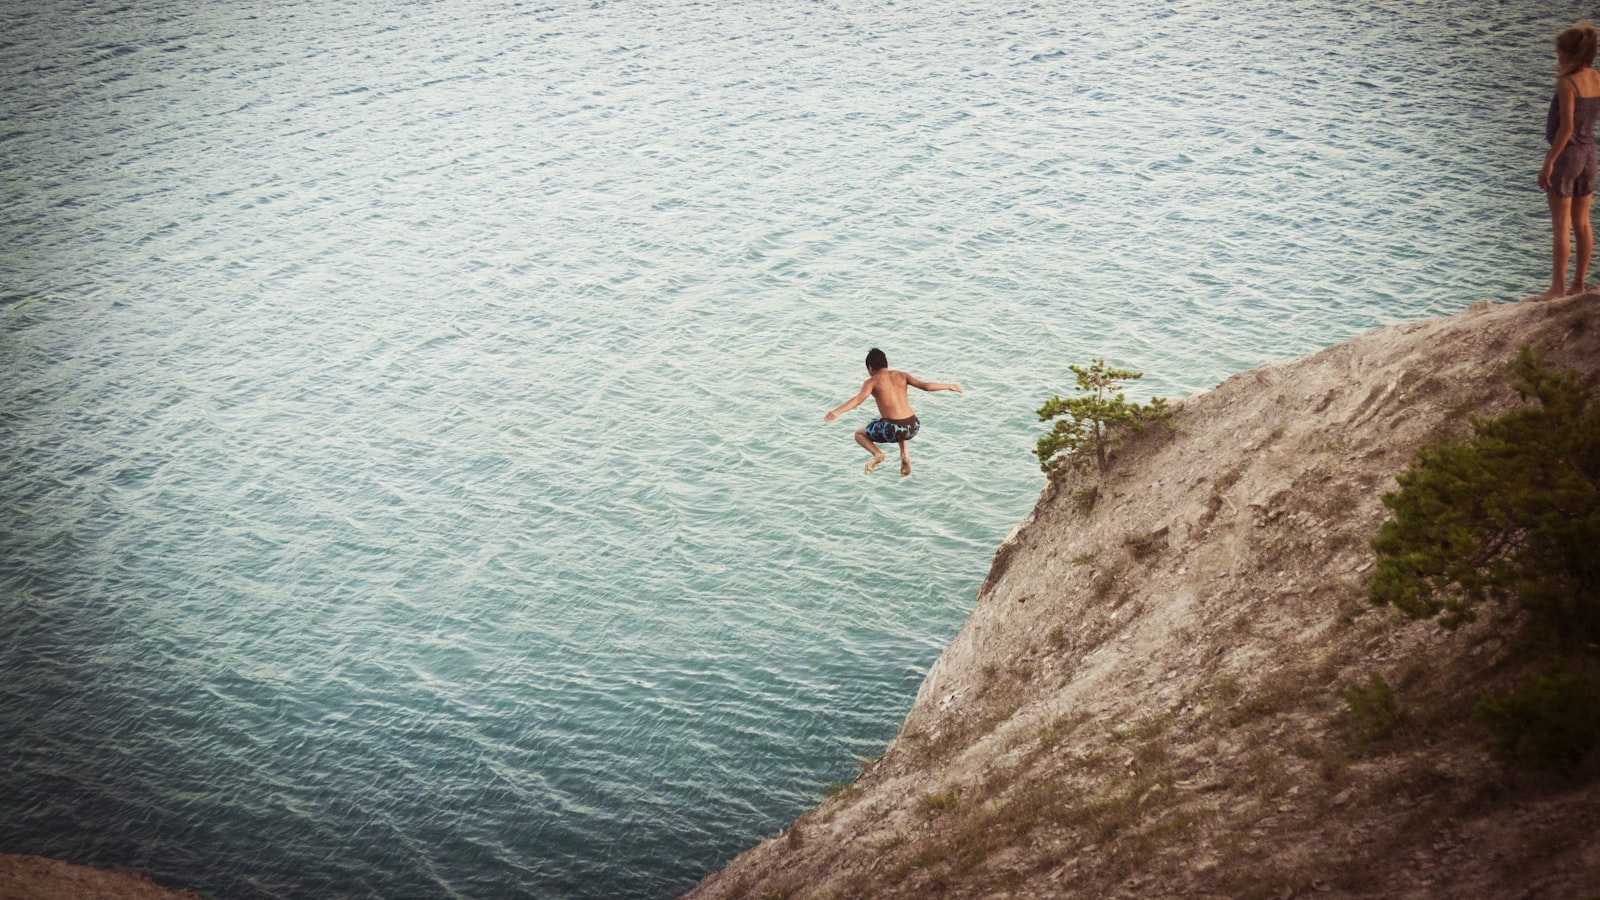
[
  {"x": 1148, "y": 698},
  {"x": 37, "y": 878}
]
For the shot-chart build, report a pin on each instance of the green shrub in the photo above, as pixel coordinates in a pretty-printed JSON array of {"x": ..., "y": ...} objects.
[
  {"x": 1089, "y": 429},
  {"x": 1512, "y": 513},
  {"x": 1550, "y": 720},
  {"x": 1373, "y": 711}
]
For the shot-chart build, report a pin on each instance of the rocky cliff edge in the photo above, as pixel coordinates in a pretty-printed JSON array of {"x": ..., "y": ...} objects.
[{"x": 1148, "y": 700}]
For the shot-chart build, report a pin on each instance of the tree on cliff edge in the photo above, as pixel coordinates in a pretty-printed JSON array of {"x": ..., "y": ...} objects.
[{"x": 1089, "y": 429}]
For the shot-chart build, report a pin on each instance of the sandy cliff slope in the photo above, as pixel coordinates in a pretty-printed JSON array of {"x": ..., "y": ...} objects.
[{"x": 1147, "y": 700}]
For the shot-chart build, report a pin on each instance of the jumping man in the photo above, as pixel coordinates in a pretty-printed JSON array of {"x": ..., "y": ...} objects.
[{"x": 896, "y": 421}]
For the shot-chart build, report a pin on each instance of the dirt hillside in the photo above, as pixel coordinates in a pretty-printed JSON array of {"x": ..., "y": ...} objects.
[{"x": 1148, "y": 700}]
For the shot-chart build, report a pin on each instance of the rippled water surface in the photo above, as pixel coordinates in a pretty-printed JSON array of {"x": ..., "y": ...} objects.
[{"x": 413, "y": 478}]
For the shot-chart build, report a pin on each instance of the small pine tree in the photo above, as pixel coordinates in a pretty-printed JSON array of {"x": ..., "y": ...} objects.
[
  {"x": 1373, "y": 711},
  {"x": 1091, "y": 426},
  {"x": 1512, "y": 515}
]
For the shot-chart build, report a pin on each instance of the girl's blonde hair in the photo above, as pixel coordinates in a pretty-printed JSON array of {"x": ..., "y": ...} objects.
[{"x": 1577, "y": 47}]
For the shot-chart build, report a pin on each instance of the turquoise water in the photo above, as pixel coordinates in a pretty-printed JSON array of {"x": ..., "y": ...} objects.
[{"x": 413, "y": 479}]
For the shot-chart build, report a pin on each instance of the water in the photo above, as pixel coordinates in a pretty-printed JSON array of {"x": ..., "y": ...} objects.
[{"x": 414, "y": 476}]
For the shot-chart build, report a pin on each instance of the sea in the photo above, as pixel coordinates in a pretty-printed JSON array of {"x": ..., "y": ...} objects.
[{"x": 413, "y": 474}]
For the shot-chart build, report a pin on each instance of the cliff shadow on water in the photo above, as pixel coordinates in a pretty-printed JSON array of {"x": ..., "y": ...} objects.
[{"x": 1173, "y": 683}]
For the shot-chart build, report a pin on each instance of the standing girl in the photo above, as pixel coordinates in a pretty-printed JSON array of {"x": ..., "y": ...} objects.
[{"x": 1568, "y": 175}]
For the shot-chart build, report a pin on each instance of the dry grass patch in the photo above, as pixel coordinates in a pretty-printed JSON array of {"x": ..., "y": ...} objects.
[
  {"x": 1418, "y": 779},
  {"x": 1276, "y": 695},
  {"x": 1104, "y": 581},
  {"x": 1129, "y": 814},
  {"x": 1225, "y": 688},
  {"x": 1319, "y": 873},
  {"x": 1265, "y": 773},
  {"x": 1333, "y": 767},
  {"x": 839, "y": 789},
  {"x": 1083, "y": 499},
  {"x": 1143, "y": 546},
  {"x": 1117, "y": 808},
  {"x": 1057, "y": 730},
  {"x": 1550, "y": 841},
  {"x": 887, "y": 844},
  {"x": 1215, "y": 502}
]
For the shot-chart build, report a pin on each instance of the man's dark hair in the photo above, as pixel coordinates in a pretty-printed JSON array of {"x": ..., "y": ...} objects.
[{"x": 876, "y": 360}]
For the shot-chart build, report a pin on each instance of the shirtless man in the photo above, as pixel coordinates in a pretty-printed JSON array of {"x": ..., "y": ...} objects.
[{"x": 896, "y": 422}]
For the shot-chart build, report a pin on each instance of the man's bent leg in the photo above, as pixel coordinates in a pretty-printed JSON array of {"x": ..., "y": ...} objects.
[{"x": 866, "y": 444}]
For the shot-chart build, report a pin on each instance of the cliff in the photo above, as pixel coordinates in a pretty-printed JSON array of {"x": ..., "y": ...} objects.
[{"x": 1148, "y": 699}]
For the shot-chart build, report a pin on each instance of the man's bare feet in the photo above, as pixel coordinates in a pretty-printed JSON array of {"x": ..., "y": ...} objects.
[
  {"x": 1575, "y": 290},
  {"x": 905, "y": 467},
  {"x": 1551, "y": 294},
  {"x": 873, "y": 463}
]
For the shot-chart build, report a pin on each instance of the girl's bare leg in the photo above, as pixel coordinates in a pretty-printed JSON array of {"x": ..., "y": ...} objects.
[
  {"x": 1560, "y": 238},
  {"x": 1585, "y": 235},
  {"x": 905, "y": 460},
  {"x": 866, "y": 443}
]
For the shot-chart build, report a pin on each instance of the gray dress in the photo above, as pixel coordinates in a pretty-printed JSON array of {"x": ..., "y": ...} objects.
[{"x": 1574, "y": 171}]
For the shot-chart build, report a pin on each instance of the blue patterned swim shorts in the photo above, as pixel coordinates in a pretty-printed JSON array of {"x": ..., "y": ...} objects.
[{"x": 889, "y": 431}]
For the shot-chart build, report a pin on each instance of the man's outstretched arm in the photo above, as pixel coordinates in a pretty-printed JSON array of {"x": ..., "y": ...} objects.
[
  {"x": 918, "y": 383},
  {"x": 852, "y": 403}
]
